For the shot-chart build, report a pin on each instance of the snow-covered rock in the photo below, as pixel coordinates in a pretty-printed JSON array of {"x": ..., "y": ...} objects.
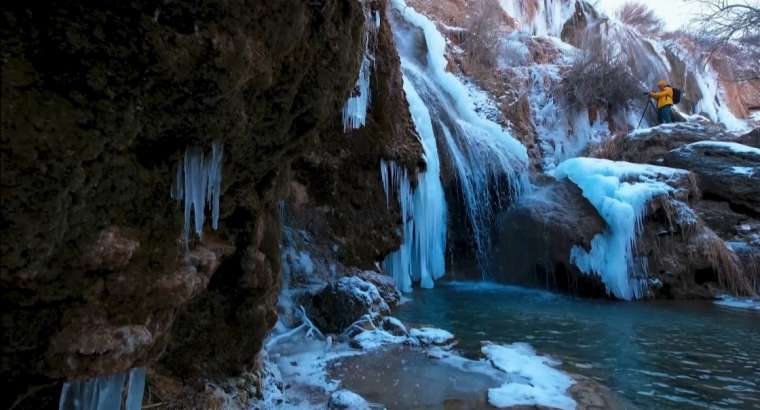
[
  {"x": 432, "y": 336},
  {"x": 347, "y": 400},
  {"x": 727, "y": 170},
  {"x": 341, "y": 303}
]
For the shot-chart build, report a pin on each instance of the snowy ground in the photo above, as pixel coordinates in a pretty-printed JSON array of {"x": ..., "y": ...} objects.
[{"x": 297, "y": 369}]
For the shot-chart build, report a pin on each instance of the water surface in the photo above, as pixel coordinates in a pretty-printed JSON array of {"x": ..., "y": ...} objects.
[{"x": 663, "y": 354}]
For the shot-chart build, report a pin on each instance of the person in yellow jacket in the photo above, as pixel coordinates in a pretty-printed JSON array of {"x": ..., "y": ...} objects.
[{"x": 664, "y": 102}]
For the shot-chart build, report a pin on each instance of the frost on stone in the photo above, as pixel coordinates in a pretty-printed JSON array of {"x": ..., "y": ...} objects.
[
  {"x": 197, "y": 184},
  {"x": 104, "y": 392},
  {"x": 620, "y": 192}
]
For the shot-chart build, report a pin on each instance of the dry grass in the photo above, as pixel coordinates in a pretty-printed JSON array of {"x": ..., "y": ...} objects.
[
  {"x": 611, "y": 148},
  {"x": 731, "y": 275},
  {"x": 702, "y": 241}
]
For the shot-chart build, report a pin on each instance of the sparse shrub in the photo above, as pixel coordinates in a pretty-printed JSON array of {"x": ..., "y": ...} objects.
[
  {"x": 599, "y": 77},
  {"x": 640, "y": 17},
  {"x": 483, "y": 39}
]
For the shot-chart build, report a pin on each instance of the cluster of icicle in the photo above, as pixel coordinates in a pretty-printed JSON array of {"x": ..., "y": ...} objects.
[
  {"x": 490, "y": 164},
  {"x": 620, "y": 192},
  {"x": 423, "y": 211},
  {"x": 104, "y": 392},
  {"x": 198, "y": 183},
  {"x": 355, "y": 109}
]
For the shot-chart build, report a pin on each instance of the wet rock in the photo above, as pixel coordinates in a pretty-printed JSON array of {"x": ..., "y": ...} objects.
[
  {"x": 536, "y": 236},
  {"x": 113, "y": 250},
  {"x": 751, "y": 138},
  {"x": 650, "y": 145},
  {"x": 728, "y": 172},
  {"x": 341, "y": 303}
]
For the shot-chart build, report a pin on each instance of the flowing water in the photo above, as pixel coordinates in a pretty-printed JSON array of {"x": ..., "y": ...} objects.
[{"x": 663, "y": 355}]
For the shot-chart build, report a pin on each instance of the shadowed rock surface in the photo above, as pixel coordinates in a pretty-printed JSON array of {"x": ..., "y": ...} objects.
[{"x": 100, "y": 102}]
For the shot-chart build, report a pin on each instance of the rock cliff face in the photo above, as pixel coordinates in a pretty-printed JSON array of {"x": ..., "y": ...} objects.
[{"x": 100, "y": 102}]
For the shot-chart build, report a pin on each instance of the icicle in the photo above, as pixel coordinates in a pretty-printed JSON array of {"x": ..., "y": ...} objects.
[
  {"x": 355, "y": 109},
  {"x": 100, "y": 393},
  {"x": 135, "y": 389},
  {"x": 620, "y": 192},
  {"x": 198, "y": 182}
]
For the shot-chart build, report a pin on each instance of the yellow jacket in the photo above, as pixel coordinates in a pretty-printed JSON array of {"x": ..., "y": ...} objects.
[{"x": 664, "y": 97}]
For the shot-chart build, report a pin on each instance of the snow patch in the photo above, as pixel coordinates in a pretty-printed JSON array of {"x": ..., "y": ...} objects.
[
  {"x": 533, "y": 380},
  {"x": 749, "y": 171},
  {"x": 732, "y": 146},
  {"x": 739, "y": 303}
]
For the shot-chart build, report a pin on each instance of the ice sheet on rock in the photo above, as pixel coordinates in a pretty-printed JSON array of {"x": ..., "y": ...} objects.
[
  {"x": 620, "y": 192},
  {"x": 534, "y": 382},
  {"x": 739, "y": 303},
  {"x": 198, "y": 183},
  {"x": 732, "y": 146}
]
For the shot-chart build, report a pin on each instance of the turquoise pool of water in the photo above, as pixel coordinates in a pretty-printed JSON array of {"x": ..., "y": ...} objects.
[{"x": 655, "y": 354}]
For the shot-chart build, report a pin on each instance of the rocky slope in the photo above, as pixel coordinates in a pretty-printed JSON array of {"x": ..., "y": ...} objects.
[{"x": 100, "y": 104}]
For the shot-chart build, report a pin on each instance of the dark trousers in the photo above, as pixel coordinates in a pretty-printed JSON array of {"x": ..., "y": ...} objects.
[{"x": 664, "y": 115}]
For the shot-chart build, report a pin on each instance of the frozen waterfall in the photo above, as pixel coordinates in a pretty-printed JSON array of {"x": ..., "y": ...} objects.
[
  {"x": 421, "y": 255},
  {"x": 198, "y": 182},
  {"x": 490, "y": 165},
  {"x": 620, "y": 192},
  {"x": 104, "y": 392}
]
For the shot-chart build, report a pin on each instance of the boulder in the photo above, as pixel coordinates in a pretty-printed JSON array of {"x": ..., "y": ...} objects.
[
  {"x": 751, "y": 138},
  {"x": 534, "y": 239},
  {"x": 649, "y": 145},
  {"x": 725, "y": 170},
  {"x": 385, "y": 285},
  {"x": 339, "y": 304}
]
